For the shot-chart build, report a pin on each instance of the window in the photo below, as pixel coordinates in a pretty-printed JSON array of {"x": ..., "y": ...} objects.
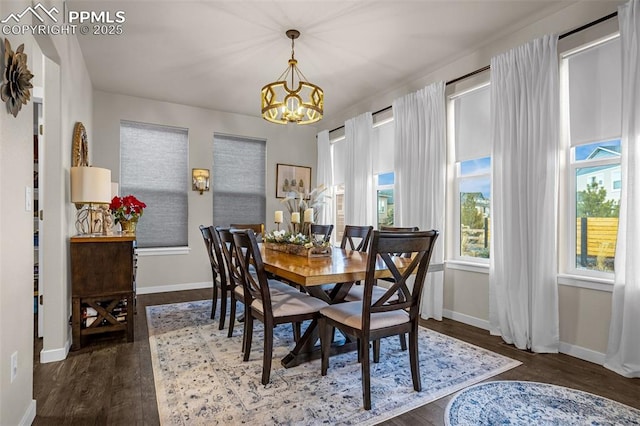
[
  {"x": 239, "y": 171},
  {"x": 470, "y": 127},
  {"x": 592, "y": 93},
  {"x": 384, "y": 197},
  {"x": 382, "y": 148},
  {"x": 154, "y": 168}
]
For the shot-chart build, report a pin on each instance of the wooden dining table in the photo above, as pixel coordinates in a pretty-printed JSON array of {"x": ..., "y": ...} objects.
[{"x": 343, "y": 268}]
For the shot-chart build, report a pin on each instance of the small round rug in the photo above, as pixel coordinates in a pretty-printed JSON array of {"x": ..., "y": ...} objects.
[{"x": 532, "y": 403}]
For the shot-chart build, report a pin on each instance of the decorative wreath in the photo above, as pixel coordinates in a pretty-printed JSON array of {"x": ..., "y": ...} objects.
[{"x": 15, "y": 78}]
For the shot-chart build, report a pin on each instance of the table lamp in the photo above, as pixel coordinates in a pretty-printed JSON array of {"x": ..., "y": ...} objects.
[{"x": 90, "y": 187}]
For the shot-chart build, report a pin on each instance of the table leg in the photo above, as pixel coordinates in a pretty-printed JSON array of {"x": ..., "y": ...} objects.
[{"x": 307, "y": 348}]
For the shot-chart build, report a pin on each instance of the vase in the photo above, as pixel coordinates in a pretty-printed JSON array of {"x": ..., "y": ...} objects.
[{"x": 129, "y": 226}]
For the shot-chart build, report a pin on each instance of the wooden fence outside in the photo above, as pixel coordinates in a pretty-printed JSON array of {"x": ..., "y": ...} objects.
[{"x": 600, "y": 237}]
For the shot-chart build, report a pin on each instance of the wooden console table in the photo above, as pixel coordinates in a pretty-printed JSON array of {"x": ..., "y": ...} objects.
[{"x": 102, "y": 285}]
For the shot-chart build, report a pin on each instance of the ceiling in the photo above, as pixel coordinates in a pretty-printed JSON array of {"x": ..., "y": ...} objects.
[{"x": 218, "y": 54}]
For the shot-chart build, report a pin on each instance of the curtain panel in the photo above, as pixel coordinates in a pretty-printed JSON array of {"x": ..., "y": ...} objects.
[
  {"x": 623, "y": 350},
  {"x": 525, "y": 134},
  {"x": 420, "y": 177},
  {"x": 324, "y": 176},
  {"x": 358, "y": 184}
]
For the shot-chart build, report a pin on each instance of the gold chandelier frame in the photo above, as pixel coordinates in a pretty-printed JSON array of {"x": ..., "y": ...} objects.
[{"x": 284, "y": 101}]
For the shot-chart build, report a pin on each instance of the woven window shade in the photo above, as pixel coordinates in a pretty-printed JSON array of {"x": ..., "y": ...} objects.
[
  {"x": 154, "y": 168},
  {"x": 239, "y": 170}
]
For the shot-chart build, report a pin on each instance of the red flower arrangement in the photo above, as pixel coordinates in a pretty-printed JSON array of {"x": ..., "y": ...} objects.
[{"x": 126, "y": 208}]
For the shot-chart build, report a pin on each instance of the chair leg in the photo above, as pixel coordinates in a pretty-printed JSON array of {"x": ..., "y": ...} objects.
[
  {"x": 297, "y": 331},
  {"x": 326, "y": 339},
  {"x": 223, "y": 306},
  {"x": 376, "y": 351},
  {"x": 248, "y": 335},
  {"x": 214, "y": 299},
  {"x": 268, "y": 353},
  {"x": 403, "y": 341},
  {"x": 413, "y": 359},
  {"x": 366, "y": 373},
  {"x": 232, "y": 315}
]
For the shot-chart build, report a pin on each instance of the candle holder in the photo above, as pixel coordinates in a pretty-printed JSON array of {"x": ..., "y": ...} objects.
[{"x": 277, "y": 225}]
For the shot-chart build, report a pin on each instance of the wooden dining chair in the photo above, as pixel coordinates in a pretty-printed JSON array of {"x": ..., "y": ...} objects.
[
  {"x": 212, "y": 244},
  {"x": 266, "y": 305},
  {"x": 356, "y": 237},
  {"x": 370, "y": 319},
  {"x": 236, "y": 289},
  {"x": 258, "y": 228},
  {"x": 323, "y": 231}
]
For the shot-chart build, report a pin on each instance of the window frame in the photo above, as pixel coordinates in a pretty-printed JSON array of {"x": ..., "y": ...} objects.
[
  {"x": 455, "y": 254},
  {"x": 572, "y": 217},
  {"x": 569, "y": 273}
]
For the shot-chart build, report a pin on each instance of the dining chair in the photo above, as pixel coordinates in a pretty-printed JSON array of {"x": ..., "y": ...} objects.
[
  {"x": 212, "y": 244},
  {"x": 322, "y": 230},
  {"x": 356, "y": 237},
  {"x": 370, "y": 319},
  {"x": 236, "y": 289},
  {"x": 266, "y": 305},
  {"x": 258, "y": 228}
]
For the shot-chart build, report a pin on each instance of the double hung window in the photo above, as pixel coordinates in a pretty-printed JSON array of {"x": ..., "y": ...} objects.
[
  {"x": 469, "y": 125},
  {"x": 591, "y": 81}
]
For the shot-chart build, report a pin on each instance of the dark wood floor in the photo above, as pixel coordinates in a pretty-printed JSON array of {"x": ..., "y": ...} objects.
[{"x": 110, "y": 381}]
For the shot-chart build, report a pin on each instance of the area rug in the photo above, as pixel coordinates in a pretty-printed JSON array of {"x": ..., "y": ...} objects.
[
  {"x": 532, "y": 403},
  {"x": 200, "y": 377}
]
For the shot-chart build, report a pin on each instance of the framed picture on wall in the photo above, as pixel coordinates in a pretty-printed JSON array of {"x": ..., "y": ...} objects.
[{"x": 292, "y": 179}]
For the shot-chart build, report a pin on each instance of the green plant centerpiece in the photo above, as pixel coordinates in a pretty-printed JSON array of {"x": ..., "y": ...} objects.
[{"x": 296, "y": 243}]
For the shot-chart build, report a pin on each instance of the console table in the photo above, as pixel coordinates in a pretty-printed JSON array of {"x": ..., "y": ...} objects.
[{"x": 102, "y": 285}]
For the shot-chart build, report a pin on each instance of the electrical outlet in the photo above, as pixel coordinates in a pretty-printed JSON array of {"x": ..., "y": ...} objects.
[{"x": 14, "y": 366}]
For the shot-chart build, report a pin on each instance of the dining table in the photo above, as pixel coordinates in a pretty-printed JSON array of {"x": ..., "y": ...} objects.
[{"x": 342, "y": 268}]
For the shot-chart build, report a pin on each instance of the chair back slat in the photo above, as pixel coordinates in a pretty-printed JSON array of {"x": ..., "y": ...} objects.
[
  {"x": 385, "y": 246},
  {"x": 212, "y": 244},
  {"x": 254, "y": 277},
  {"x": 227, "y": 247},
  {"x": 356, "y": 237}
]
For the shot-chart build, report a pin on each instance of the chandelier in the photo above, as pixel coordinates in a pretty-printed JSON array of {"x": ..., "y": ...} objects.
[{"x": 292, "y": 99}]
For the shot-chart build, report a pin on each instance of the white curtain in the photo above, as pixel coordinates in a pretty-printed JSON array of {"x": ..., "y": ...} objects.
[
  {"x": 324, "y": 176},
  {"x": 623, "y": 351},
  {"x": 523, "y": 295},
  {"x": 358, "y": 184},
  {"x": 420, "y": 171}
]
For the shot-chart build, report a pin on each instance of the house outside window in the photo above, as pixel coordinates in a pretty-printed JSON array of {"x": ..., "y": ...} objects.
[{"x": 591, "y": 87}]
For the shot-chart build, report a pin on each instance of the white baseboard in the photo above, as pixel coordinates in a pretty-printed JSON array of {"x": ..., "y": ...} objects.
[
  {"x": 582, "y": 353},
  {"x": 29, "y": 415},
  {"x": 466, "y": 319},
  {"x": 54, "y": 355},
  {"x": 173, "y": 287},
  {"x": 565, "y": 348}
]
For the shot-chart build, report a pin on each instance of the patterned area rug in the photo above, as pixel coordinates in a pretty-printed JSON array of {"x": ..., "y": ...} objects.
[
  {"x": 200, "y": 377},
  {"x": 531, "y": 403}
]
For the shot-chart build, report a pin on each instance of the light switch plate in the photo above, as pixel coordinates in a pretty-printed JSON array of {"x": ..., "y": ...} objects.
[{"x": 28, "y": 199}]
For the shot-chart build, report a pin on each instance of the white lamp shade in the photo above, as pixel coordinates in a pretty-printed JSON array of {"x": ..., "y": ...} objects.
[{"x": 90, "y": 185}]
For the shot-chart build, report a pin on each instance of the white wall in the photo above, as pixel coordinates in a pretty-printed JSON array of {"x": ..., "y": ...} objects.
[
  {"x": 67, "y": 100},
  {"x": 16, "y": 254},
  {"x": 584, "y": 313},
  {"x": 285, "y": 144}
]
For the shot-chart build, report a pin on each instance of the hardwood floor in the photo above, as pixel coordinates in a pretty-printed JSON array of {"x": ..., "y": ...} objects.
[{"x": 110, "y": 381}]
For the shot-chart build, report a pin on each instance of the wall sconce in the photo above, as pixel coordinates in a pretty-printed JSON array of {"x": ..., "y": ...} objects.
[{"x": 200, "y": 180}]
